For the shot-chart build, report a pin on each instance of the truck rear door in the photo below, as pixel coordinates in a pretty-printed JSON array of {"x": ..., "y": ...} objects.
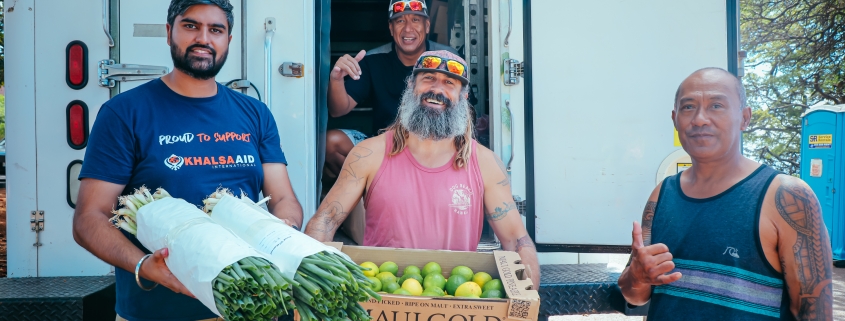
[{"x": 594, "y": 125}]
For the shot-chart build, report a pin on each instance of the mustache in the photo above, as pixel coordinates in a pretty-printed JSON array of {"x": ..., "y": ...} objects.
[
  {"x": 195, "y": 46},
  {"x": 439, "y": 97},
  {"x": 699, "y": 131}
]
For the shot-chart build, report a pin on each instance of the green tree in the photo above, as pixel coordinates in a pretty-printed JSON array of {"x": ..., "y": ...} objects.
[{"x": 796, "y": 57}]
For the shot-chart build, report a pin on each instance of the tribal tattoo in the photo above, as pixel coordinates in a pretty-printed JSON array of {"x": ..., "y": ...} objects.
[
  {"x": 648, "y": 219},
  {"x": 500, "y": 213},
  {"x": 800, "y": 208}
]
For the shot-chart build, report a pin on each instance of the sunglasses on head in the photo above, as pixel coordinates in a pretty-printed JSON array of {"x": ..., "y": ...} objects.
[
  {"x": 452, "y": 66},
  {"x": 414, "y": 5}
]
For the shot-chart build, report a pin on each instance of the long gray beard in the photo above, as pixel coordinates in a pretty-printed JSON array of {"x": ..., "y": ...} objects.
[{"x": 428, "y": 123}]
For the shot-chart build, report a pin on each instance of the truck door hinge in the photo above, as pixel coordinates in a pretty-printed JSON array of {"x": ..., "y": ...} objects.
[
  {"x": 110, "y": 72},
  {"x": 36, "y": 224},
  {"x": 292, "y": 69},
  {"x": 520, "y": 204},
  {"x": 514, "y": 69}
]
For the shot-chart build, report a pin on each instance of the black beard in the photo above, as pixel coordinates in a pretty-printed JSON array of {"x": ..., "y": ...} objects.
[{"x": 197, "y": 68}]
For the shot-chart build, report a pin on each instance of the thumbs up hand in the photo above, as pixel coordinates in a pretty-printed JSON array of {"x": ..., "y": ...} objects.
[{"x": 650, "y": 264}]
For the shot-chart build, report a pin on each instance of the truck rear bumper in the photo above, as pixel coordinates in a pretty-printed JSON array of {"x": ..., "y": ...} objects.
[
  {"x": 58, "y": 298},
  {"x": 577, "y": 289}
]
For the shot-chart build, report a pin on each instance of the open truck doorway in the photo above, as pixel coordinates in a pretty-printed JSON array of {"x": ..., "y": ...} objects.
[{"x": 357, "y": 25}]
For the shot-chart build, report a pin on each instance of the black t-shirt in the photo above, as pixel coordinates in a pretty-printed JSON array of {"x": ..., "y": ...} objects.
[{"x": 383, "y": 80}]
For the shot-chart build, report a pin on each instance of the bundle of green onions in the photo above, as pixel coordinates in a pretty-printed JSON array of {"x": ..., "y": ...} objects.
[
  {"x": 327, "y": 286},
  {"x": 249, "y": 289},
  {"x": 252, "y": 289}
]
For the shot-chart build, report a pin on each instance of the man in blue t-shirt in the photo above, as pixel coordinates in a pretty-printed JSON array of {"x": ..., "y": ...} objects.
[
  {"x": 379, "y": 75},
  {"x": 189, "y": 135}
]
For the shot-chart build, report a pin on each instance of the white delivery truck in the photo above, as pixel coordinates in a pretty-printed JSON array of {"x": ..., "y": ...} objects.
[{"x": 578, "y": 95}]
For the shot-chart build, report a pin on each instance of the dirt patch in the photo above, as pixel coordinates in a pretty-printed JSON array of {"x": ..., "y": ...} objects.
[{"x": 3, "y": 232}]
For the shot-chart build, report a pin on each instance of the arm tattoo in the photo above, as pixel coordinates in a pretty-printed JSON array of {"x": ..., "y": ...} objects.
[
  {"x": 648, "y": 219},
  {"x": 813, "y": 259},
  {"x": 524, "y": 242},
  {"x": 327, "y": 220},
  {"x": 507, "y": 180},
  {"x": 500, "y": 213},
  {"x": 348, "y": 174},
  {"x": 356, "y": 156}
]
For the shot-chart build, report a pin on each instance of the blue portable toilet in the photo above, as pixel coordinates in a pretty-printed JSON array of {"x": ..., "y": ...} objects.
[{"x": 823, "y": 167}]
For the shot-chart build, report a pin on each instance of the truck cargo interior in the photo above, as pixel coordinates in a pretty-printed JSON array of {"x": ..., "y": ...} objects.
[{"x": 363, "y": 25}]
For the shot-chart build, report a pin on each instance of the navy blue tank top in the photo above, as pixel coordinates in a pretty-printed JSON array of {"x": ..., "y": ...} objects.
[{"x": 715, "y": 243}]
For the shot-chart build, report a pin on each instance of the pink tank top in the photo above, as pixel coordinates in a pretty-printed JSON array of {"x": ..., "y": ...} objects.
[{"x": 409, "y": 205}]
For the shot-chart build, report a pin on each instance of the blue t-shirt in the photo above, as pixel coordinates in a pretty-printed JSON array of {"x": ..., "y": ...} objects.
[{"x": 153, "y": 136}]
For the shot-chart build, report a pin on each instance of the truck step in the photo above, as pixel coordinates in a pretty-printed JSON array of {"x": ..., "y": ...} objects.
[{"x": 84, "y": 298}]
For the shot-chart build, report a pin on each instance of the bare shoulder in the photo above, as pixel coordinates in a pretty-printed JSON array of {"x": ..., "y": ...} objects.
[
  {"x": 374, "y": 145},
  {"x": 655, "y": 193},
  {"x": 492, "y": 168},
  {"x": 486, "y": 157}
]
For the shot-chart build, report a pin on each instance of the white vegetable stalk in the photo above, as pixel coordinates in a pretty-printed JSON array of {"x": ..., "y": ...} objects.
[
  {"x": 215, "y": 197},
  {"x": 126, "y": 218}
]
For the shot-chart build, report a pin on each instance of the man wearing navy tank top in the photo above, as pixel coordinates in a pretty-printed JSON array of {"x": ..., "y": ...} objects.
[
  {"x": 729, "y": 238},
  {"x": 189, "y": 135}
]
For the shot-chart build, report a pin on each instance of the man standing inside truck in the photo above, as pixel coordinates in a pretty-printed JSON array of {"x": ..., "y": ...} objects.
[
  {"x": 378, "y": 75},
  {"x": 165, "y": 134},
  {"x": 426, "y": 180},
  {"x": 729, "y": 238}
]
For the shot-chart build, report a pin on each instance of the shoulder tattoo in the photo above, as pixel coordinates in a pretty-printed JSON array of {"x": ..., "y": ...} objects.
[{"x": 800, "y": 209}]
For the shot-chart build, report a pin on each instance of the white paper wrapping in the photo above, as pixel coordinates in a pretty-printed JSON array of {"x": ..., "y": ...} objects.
[
  {"x": 199, "y": 248},
  {"x": 281, "y": 245}
]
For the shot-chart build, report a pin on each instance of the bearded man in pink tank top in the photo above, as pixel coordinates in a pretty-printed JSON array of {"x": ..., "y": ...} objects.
[{"x": 425, "y": 181}]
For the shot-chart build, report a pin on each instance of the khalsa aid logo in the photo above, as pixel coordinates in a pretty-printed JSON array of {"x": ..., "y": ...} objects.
[{"x": 175, "y": 162}]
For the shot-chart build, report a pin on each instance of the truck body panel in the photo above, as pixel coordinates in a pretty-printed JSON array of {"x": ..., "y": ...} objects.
[{"x": 601, "y": 87}]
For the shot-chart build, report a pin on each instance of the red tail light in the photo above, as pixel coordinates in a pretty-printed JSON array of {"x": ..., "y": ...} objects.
[
  {"x": 77, "y": 124},
  {"x": 76, "y": 74}
]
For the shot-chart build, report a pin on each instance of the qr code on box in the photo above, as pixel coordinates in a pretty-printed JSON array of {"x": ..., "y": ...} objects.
[{"x": 519, "y": 309}]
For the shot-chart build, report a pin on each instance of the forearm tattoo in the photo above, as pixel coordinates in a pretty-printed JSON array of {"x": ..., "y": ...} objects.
[
  {"x": 797, "y": 205},
  {"x": 327, "y": 220},
  {"x": 524, "y": 242}
]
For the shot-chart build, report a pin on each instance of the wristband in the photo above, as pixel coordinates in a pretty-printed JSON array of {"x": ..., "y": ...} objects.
[{"x": 138, "y": 278}]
